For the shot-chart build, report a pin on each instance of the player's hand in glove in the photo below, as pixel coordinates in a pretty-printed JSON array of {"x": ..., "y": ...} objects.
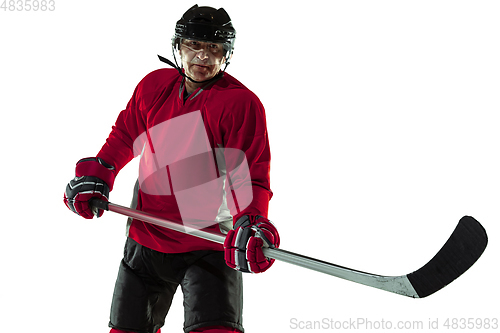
[
  {"x": 94, "y": 179},
  {"x": 243, "y": 245}
]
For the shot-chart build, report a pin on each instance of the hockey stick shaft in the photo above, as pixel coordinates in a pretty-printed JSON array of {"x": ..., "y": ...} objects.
[
  {"x": 149, "y": 218},
  {"x": 278, "y": 254}
]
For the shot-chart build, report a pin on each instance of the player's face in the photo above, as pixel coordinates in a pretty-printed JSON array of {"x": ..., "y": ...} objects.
[{"x": 201, "y": 60}]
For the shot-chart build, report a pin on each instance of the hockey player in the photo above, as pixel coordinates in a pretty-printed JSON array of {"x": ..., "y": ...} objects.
[{"x": 204, "y": 149}]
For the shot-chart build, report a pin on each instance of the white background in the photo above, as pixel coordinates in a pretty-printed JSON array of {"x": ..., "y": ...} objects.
[{"x": 383, "y": 123}]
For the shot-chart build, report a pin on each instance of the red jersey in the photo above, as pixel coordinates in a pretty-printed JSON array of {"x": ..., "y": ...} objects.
[{"x": 204, "y": 159}]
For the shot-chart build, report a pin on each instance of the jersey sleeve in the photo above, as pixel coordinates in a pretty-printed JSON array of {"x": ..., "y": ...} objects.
[
  {"x": 247, "y": 155},
  {"x": 118, "y": 149}
]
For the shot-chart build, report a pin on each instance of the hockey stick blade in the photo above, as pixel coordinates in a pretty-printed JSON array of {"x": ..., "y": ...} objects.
[{"x": 464, "y": 247}]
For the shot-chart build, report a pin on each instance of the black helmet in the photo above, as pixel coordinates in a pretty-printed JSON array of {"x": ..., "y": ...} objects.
[{"x": 206, "y": 24}]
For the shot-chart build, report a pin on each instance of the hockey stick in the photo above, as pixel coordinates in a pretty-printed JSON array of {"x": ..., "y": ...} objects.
[{"x": 459, "y": 253}]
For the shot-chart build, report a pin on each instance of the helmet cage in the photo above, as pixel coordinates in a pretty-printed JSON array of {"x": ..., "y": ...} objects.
[{"x": 205, "y": 33}]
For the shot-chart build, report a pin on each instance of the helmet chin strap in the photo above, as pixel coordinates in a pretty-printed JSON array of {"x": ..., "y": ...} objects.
[{"x": 170, "y": 63}]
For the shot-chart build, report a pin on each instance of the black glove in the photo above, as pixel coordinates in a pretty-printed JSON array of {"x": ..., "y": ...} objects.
[{"x": 89, "y": 184}]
